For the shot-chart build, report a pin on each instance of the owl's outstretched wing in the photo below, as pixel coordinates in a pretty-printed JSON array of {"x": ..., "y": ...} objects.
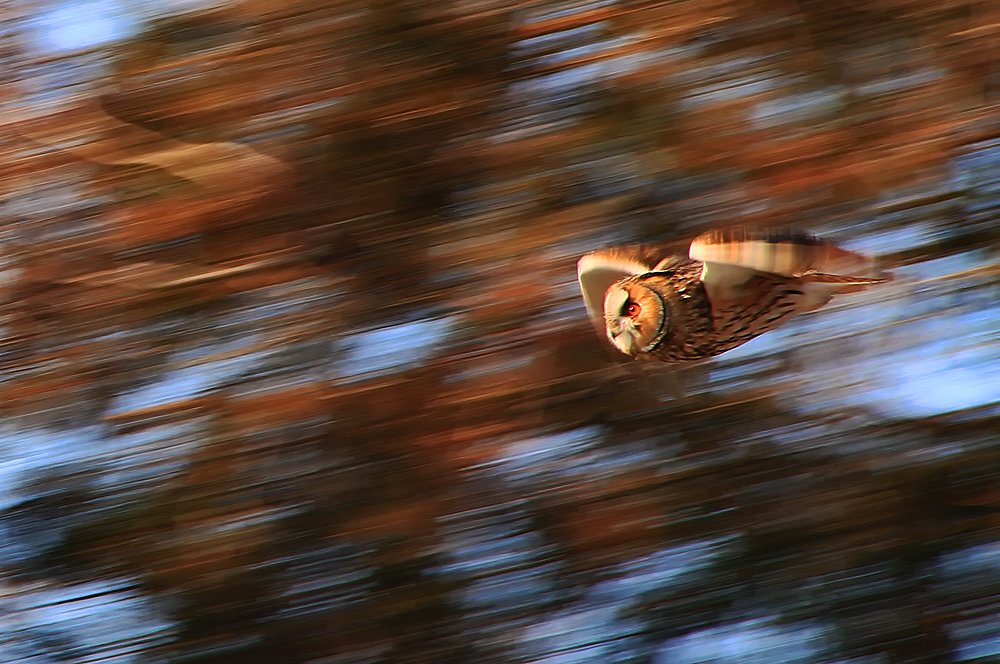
[
  {"x": 732, "y": 255},
  {"x": 599, "y": 270}
]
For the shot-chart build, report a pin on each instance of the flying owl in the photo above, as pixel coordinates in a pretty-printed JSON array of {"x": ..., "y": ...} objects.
[{"x": 734, "y": 285}]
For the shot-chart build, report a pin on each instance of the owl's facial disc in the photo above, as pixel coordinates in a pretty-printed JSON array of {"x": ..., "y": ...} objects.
[{"x": 633, "y": 316}]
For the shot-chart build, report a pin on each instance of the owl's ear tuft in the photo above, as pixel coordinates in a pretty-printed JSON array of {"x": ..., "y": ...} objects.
[{"x": 599, "y": 271}]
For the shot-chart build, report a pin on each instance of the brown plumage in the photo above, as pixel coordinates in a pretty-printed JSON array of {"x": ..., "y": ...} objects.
[{"x": 735, "y": 285}]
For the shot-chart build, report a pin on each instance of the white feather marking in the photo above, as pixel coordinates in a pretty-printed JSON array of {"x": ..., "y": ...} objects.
[
  {"x": 597, "y": 273},
  {"x": 776, "y": 257},
  {"x": 723, "y": 282},
  {"x": 787, "y": 258}
]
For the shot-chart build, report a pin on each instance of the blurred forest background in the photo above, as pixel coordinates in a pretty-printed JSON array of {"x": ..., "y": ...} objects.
[{"x": 295, "y": 368}]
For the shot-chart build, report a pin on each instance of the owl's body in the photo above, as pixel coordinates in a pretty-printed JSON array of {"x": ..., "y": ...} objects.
[
  {"x": 747, "y": 282},
  {"x": 698, "y": 330}
]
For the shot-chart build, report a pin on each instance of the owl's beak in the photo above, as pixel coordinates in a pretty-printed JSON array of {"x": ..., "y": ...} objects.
[{"x": 624, "y": 340}]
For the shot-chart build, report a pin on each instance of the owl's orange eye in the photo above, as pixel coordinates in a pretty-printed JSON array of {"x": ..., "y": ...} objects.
[{"x": 633, "y": 309}]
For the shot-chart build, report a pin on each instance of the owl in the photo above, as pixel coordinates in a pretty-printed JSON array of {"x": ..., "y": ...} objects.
[{"x": 734, "y": 285}]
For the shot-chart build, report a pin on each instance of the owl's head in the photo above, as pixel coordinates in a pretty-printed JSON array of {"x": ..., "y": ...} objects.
[{"x": 635, "y": 316}]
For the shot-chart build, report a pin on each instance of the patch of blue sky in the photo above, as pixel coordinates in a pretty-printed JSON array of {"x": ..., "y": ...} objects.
[
  {"x": 549, "y": 448},
  {"x": 662, "y": 569},
  {"x": 728, "y": 90},
  {"x": 729, "y": 72},
  {"x": 565, "y": 83},
  {"x": 906, "y": 276},
  {"x": 977, "y": 172},
  {"x": 48, "y": 86},
  {"x": 897, "y": 83},
  {"x": 23, "y": 545},
  {"x": 976, "y": 562},
  {"x": 978, "y": 640},
  {"x": 73, "y": 25},
  {"x": 559, "y": 116},
  {"x": 559, "y": 84},
  {"x": 192, "y": 378},
  {"x": 903, "y": 208},
  {"x": 27, "y": 453},
  {"x": 728, "y": 374},
  {"x": 183, "y": 383},
  {"x": 582, "y": 634},
  {"x": 226, "y": 338},
  {"x": 149, "y": 457},
  {"x": 762, "y": 345},
  {"x": 888, "y": 240},
  {"x": 323, "y": 587},
  {"x": 121, "y": 464},
  {"x": 393, "y": 348},
  {"x": 602, "y": 625},
  {"x": 508, "y": 590},
  {"x": 476, "y": 552},
  {"x": 922, "y": 384},
  {"x": 263, "y": 308},
  {"x": 568, "y": 456},
  {"x": 68, "y": 26},
  {"x": 107, "y": 620},
  {"x": 812, "y": 435},
  {"x": 978, "y": 166},
  {"x": 43, "y": 200},
  {"x": 566, "y": 54},
  {"x": 985, "y": 153},
  {"x": 555, "y": 39},
  {"x": 959, "y": 368},
  {"x": 752, "y": 641},
  {"x": 936, "y": 364},
  {"x": 501, "y": 564},
  {"x": 803, "y": 107}
]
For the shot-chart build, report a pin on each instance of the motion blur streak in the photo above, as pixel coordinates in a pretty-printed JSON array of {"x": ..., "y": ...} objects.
[{"x": 296, "y": 370}]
